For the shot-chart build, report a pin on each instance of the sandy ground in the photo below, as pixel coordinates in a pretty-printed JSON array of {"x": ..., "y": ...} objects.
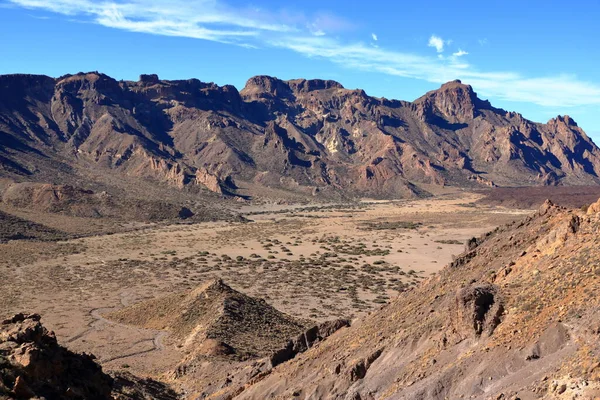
[{"x": 318, "y": 262}]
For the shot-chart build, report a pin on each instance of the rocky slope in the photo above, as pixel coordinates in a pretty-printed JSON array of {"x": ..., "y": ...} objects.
[
  {"x": 34, "y": 365},
  {"x": 515, "y": 316},
  {"x": 73, "y": 201},
  {"x": 299, "y": 136}
]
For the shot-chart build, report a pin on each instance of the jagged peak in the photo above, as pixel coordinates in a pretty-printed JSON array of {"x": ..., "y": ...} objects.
[
  {"x": 263, "y": 81},
  {"x": 457, "y": 83},
  {"x": 565, "y": 119},
  {"x": 455, "y": 86},
  {"x": 216, "y": 284},
  {"x": 546, "y": 207}
]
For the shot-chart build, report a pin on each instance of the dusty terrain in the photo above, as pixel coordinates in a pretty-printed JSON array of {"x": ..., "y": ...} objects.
[
  {"x": 316, "y": 263},
  {"x": 514, "y": 317}
]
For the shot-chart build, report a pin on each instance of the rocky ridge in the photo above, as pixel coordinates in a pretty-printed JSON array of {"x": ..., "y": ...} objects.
[
  {"x": 309, "y": 137},
  {"x": 215, "y": 319}
]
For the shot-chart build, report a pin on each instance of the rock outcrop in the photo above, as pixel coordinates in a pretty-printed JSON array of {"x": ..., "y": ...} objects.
[
  {"x": 478, "y": 309},
  {"x": 35, "y": 366},
  {"x": 306, "y": 340},
  {"x": 594, "y": 208}
]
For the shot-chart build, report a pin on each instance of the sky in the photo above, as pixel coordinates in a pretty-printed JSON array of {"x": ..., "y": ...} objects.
[{"x": 540, "y": 58}]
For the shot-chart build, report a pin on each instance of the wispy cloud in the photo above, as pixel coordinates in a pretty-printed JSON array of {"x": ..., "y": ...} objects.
[
  {"x": 374, "y": 37},
  {"x": 310, "y": 36},
  {"x": 436, "y": 42},
  {"x": 38, "y": 16},
  {"x": 200, "y": 19},
  {"x": 551, "y": 91}
]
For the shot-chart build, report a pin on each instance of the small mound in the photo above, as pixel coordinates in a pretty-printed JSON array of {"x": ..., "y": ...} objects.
[
  {"x": 215, "y": 319},
  {"x": 63, "y": 199}
]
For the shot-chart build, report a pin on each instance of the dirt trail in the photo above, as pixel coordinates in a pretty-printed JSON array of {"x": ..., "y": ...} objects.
[{"x": 97, "y": 325}]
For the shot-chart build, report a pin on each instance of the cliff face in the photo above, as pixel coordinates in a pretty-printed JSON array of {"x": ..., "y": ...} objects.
[{"x": 306, "y": 136}]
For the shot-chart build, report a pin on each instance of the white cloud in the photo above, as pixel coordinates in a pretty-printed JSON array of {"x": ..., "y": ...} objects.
[
  {"x": 215, "y": 21},
  {"x": 437, "y": 42},
  {"x": 200, "y": 19},
  {"x": 374, "y": 36}
]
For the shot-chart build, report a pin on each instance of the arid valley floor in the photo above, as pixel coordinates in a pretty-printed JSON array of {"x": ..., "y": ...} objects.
[{"x": 317, "y": 262}]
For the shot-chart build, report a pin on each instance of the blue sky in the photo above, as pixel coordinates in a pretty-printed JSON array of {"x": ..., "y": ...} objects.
[{"x": 539, "y": 58}]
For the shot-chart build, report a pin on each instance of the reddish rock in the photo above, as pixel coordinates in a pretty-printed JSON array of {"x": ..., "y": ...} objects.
[{"x": 299, "y": 135}]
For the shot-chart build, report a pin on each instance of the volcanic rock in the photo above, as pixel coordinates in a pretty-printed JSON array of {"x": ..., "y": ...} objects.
[{"x": 305, "y": 136}]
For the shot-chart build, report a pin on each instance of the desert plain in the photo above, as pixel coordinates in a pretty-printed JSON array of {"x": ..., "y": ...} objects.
[{"x": 314, "y": 262}]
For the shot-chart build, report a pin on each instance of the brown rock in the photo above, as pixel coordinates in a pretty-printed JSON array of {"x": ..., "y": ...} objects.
[
  {"x": 295, "y": 135},
  {"x": 594, "y": 208},
  {"x": 40, "y": 367},
  {"x": 21, "y": 389}
]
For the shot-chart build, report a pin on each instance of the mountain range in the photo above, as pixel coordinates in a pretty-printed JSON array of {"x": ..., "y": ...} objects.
[{"x": 275, "y": 137}]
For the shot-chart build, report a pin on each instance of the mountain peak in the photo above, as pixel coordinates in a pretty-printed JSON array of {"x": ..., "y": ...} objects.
[
  {"x": 308, "y": 85},
  {"x": 149, "y": 79},
  {"x": 457, "y": 83},
  {"x": 565, "y": 119},
  {"x": 261, "y": 86},
  {"x": 454, "y": 100},
  {"x": 456, "y": 86}
]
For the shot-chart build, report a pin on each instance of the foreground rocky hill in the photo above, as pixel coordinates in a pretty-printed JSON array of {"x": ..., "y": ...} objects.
[
  {"x": 515, "y": 316},
  {"x": 229, "y": 338},
  {"x": 214, "y": 319},
  {"x": 275, "y": 137}
]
